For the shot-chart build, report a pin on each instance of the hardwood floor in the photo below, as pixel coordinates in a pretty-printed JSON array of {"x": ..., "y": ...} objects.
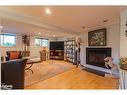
[{"x": 76, "y": 79}]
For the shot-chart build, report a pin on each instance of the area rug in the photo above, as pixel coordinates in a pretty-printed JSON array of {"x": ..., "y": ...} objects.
[{"x": 45, "y": 70}]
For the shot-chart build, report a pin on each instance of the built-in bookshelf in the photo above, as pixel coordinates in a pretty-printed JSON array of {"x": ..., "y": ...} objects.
[{"x": 69, "y": 47}]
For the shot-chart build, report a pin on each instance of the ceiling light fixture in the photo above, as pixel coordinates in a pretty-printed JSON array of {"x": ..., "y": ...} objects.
[
  {"x": 39, "y": 33},
  {"x": 1, "y": 26},
  {"x": 54, "y": 35},
  {"x": 47, "y": 11}
]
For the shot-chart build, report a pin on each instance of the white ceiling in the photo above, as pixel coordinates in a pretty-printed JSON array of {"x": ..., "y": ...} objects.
[
  {"x": 71, "y": 18},
  {"x": 11, "y": 26}
]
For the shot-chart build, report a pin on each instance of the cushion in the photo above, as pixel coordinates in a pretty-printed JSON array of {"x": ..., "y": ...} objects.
[{"x": 14, "y": 55}]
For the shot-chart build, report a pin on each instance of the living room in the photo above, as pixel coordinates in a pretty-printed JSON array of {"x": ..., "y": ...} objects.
[{"x": 43, "y": 34}]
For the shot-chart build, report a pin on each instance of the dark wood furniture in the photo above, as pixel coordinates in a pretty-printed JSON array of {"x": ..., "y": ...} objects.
[
  {"x": 12, "y": 74},
  {"x": 57, "y": 50},
  {"x": 57, "y": 54}
]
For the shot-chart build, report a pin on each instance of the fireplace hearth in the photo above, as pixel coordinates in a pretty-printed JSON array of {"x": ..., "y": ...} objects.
[{"x": 95, "y": 56}]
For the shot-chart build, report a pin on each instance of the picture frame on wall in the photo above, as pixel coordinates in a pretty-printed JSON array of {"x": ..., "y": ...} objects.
[{"x": 97, "y": 37}]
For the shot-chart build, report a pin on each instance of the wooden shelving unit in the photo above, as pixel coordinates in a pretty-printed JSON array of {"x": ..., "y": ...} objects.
[
  {"x": 69, "y": 47},
  {"x": 57, "y": 54}
]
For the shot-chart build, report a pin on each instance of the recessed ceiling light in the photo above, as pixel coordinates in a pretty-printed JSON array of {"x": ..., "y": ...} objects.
[
  {"x": 39, "y": 33},
  {"x": 47, "y": 11},
  {"x": 54, "y": 35},
  {"x": 1, "y": 26}
]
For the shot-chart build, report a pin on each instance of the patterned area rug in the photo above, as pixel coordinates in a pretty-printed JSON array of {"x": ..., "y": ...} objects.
[{"x": 45, "y": 70}]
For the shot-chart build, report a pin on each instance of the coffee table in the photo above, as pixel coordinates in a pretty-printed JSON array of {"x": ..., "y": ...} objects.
[{"x": 30, "y": 63}]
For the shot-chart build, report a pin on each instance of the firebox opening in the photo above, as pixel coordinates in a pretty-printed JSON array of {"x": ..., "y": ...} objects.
[{"x": 95, "y": 56}]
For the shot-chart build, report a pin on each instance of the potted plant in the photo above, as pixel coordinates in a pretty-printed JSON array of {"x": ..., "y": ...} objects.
[{"x": 123, "y": 62}]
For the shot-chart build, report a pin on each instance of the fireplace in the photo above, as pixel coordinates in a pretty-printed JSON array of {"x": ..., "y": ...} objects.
[{"x": 95, "y": 56}]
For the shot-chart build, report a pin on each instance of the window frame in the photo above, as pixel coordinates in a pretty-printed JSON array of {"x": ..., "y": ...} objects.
[
  {"x": 41, "y": 42},
  {"x": 8, "y": 34}
]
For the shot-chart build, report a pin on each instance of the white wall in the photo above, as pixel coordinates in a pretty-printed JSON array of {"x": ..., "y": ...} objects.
[
  {"x": 61, "y": 38},
  {"x": 123, "y": 43},
  {"x": 113, "y": 41},
  {"x": 18, "y": 46},
  {"x": 34, "y": 50},
  {"x": 123, "y": 39}
]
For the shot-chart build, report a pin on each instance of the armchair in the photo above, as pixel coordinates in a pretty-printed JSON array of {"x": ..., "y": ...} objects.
[{"x": 12, "y": 73}]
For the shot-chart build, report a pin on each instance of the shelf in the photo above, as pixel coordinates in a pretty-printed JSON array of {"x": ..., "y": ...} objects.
[{"x": 70, "y": 50}]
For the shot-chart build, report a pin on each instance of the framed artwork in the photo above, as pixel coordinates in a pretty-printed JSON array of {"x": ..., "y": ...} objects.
[{"x": 97, "y": 37}]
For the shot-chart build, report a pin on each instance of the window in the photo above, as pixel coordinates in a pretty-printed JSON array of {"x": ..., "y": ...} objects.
[
  {"x": 7, "y": 40},
  {"x": 41, "y": 42}
]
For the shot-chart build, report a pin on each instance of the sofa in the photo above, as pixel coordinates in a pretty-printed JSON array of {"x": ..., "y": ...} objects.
[
  {"x": 13, "y": 55},
  {"x": 12, "y": 74}
]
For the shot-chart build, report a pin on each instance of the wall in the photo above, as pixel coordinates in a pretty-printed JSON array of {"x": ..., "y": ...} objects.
[
  {"x": 61, "y": 38},
  {"x": 112, "y": 41},
  {"x": 18, "y": 46},
  {"x": 34, "y": 50},
  {"x": 123, "y": 39},
  {"x": 123, "y": 44}
]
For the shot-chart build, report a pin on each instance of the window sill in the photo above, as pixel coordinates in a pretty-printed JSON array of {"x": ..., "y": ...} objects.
[{"x": 7, "y": 46}]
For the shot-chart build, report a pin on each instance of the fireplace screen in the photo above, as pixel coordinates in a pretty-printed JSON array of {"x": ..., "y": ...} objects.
[{"x": 95, "y": 56}]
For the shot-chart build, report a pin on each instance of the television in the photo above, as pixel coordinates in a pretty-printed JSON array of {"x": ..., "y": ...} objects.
[{"x": 58, "y": 45}]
